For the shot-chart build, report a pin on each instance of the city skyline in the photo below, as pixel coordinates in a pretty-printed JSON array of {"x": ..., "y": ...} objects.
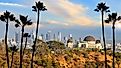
[{"x": 68, "y": 16}]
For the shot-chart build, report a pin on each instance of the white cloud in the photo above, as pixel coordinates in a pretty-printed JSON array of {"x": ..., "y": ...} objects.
[
  {"x": 11, "y": 4},
  {"x": 118, "y": 25},
  {"x": 64, "y": 7},
  {"x": 70, "y": 12},
  {"x": 34, "y": 25},
  {"x": 57, "y": 23},
  {"x": 1, "y": 13}
]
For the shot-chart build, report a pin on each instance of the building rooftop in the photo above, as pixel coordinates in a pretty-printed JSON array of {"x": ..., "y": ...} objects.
[{"x": 89, "y": 38}]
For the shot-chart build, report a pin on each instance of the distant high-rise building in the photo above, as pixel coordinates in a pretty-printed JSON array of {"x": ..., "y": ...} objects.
[
  {"x": 59, "y": 36},
  {"x": 65, "y": 41},
  {"x": 48, "y": 36},
  {"x": 54, "y": 37},
  {"x": 17, "y": 37},
  {"x": 42, "y": 36},
  {"x": 80, "y": 39},
  {"x": 33, "y": 35},
  {"x": 70, "y": 36}
]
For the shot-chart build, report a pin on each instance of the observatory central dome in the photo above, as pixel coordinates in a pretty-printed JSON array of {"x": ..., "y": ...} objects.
[{"x": 89, "y": 38}]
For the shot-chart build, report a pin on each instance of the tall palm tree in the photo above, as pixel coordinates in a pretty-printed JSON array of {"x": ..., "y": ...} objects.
[
  {"x": 37, "y": 8},
  {"x": 24, "y": 22},
  {"x": 26, "y": 35},
  {"x": 13, "y": 49},
  {"x": 6, "y": 17},
  {"x": 113, "y": 18},
  {"x": 103, "y": 8}
]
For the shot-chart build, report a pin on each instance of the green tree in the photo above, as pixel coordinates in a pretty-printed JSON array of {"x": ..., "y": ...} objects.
[
  {"x": 56, "y": 46},
  {"x": 24, "y": 22},
  {"x": 103, "y": 8},
  {"x": 118, "y": 61},
  {"x": 41, "y": 48},
  {"x": 89, "y": 64},
  {"x": 6, "y": 17},
  {"x": 85, "y": 55},
  {"x": 39, "y": 7},
  {"x": 113, "y": 18}
]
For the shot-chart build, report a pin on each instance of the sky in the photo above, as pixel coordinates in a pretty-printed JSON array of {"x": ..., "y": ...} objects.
[{"x": 76, "y": 17}]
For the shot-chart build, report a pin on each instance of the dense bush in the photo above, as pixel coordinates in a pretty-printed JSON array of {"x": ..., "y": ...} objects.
[
  {"x": 84, "y": 58},
  {"x": 85, "y": 55}
]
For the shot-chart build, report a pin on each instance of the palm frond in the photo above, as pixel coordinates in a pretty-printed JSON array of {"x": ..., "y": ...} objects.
[
  {"x": 17, "y": 21},
  {"x": 107, "y": 21},
  {"x": 44, "y": 9},
  {"x": 119, "y": 18},
  {"x": 11, "y": 17},
  {"x": 6, "y": 14},
  {"x": 2, "y": 18},
  {"x": 102, "y": 7},
  {"x": 29, "y": 22},
  {"x": 107, "y": 11},
  {"x": 39, "y": 6},
  {"x": 34, "y": 8},
  {"x": 96, "y": 10},
  {"x": 23, "y": 19},
  {"x": 114, "y": 16},
  {"x": 16, "y": 25},
  {"x": 26, "y": 35}
]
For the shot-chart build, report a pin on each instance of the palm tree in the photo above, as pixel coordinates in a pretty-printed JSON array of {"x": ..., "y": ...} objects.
[
  {"x": 39, "y": 7},
  {"x": 113, "y": 18},
  {"x": 24, "y": 22},
  {"x": 13, "y": 49},
  {"x": 26, "y": 35},
  {"x": 103, "y": 8},
  {"x": 6, "y": 17}
]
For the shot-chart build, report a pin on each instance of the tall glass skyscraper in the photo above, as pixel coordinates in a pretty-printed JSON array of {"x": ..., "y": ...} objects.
[{"x": 59, "y": 36}]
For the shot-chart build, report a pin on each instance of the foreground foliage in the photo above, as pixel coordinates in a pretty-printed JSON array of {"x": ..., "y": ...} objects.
[{"x": 47, "y": 57}]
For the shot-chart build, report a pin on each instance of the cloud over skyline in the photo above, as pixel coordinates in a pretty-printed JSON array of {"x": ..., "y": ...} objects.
[
  {"x": 70, "y": 12},
  {"x": 11, "y": 4},
  {"x": 57, "y": 23}
]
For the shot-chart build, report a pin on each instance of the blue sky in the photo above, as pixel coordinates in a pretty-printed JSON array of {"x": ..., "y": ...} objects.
[{"x": 67, "y": 16}]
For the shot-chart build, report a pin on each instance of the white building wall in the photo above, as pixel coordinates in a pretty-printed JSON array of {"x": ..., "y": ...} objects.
[
  {"x": 99, "y": 46},
  {"x": 90, "y": 44},
  {"x": 70, "y": 45}
]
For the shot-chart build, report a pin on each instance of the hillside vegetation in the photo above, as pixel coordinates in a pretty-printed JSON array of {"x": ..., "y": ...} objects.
[{"x": 56, "y": 56}]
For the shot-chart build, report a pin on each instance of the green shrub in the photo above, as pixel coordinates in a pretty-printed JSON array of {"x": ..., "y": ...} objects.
[
  {"x": 38, "y": 62},
  {"x": 85, "y": 55}
]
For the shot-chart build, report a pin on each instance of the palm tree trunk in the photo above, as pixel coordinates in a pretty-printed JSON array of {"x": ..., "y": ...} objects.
[
  {"x": 35, "y": 39},
  {"x": 21, "y": 47},
  {"x": 12, "y": 59},
  {"x": 6, "y": 36},
  {"x": 25, "y": 46},
  {"x": 104, "y": 43},
  {"x": 113, "y": 28}
]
